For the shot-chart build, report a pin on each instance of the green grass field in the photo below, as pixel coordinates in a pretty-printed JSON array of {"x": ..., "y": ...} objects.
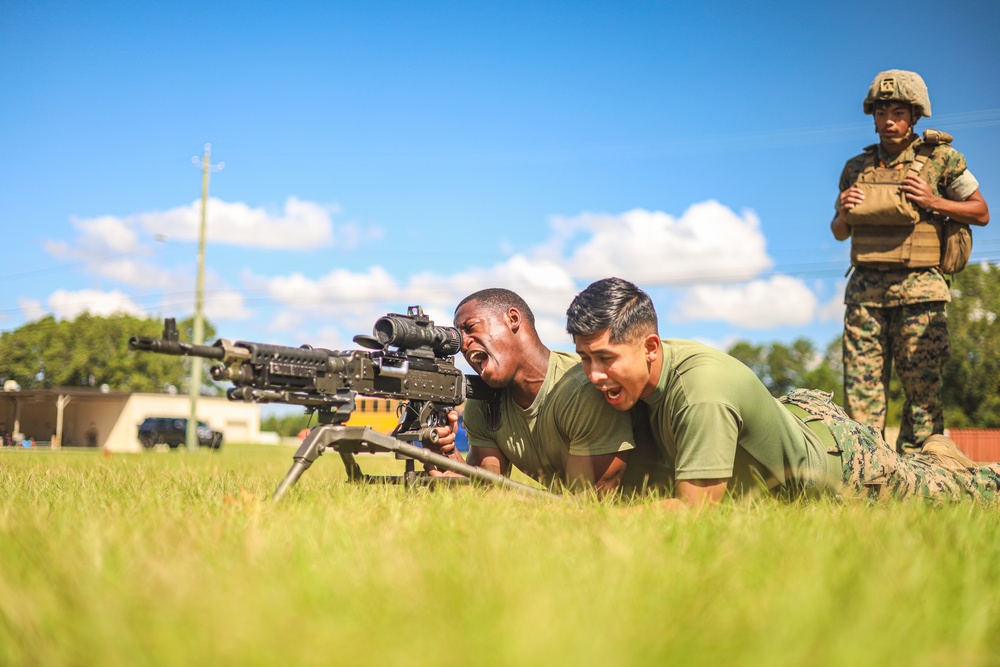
[{"x": 171, "y": 558}]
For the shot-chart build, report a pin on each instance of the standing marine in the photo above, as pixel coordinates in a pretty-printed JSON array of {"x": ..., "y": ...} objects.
[{"x": 900, "y": 202}]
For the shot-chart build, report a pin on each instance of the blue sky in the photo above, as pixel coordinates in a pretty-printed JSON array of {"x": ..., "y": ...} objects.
[{"x": 384, "y": 154}]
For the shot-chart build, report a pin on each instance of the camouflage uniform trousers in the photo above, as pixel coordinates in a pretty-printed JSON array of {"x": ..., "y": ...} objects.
[
  {"x": 915, "y": 338},
  {"x": 870, "y": 468}
]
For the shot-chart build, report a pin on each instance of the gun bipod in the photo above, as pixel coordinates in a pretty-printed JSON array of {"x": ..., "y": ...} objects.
[
  {"x": 350, "y": 440},
  {"x": 410, "y": 478}
]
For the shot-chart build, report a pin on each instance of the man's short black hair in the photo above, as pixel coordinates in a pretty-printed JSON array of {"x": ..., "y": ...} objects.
[
  {"x": 613, "y": 304},
  {"x": 499, "y": 299}
]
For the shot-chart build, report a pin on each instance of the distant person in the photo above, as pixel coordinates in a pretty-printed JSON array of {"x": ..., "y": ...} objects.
[
  {"x": 723, "y": 431},
  {"x": 897, "y": 292},
  {"x": 91, "y": 435},
  {"x": 547, "y": 421},
  {"x": 461, "y": 433}
]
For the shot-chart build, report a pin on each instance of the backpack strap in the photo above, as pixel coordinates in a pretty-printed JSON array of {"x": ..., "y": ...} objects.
[
  {"x": 920, "y": 157},
  {"x": 932, "y": 139}
]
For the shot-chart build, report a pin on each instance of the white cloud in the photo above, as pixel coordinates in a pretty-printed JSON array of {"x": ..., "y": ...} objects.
[
  {"x": 108, "y": 234},
  {"x": 140, "y": 274},
  {"x": 722, "y": 345},
  {"x": 357, "y": 299},
  {"x": 285, "y": 320},
  {"x": 333, "y": 338},
  {"x": 552, "y": 331},
  {"x": 335, "y": 288},
  {"x": 59, "y": 249},
  {"x": 31, "y": 309},
  {"x": 759, "y": 304},
  {"x": 352, "y": 300},
  {"x": 708, "y": 243},
  {"x": 67, "y": 305},
  {"x": 100, "y": 259},
  {"x": 99, "y": 237},
  {"x": 302, "y": 226},
  {"x": 545, "y": 284},
  {"x": 833, "y": 310},
  {"x": 225, "y": 306},
  {"x": 115, "y": 249}
]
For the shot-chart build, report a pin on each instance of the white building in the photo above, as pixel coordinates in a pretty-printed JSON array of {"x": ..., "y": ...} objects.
[{"x": 69, "y": 416}]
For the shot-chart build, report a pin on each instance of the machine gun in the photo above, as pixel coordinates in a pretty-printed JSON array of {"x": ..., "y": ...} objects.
[{"x": 410, "y": 360}]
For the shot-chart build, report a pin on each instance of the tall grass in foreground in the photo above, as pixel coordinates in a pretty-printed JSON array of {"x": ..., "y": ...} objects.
[{"x": 178, "y": 558}]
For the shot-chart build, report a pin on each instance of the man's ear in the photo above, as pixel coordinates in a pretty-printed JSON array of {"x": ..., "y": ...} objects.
[
  {"x": 652, "y": 346},
  {"x": 513, "y": 319}
]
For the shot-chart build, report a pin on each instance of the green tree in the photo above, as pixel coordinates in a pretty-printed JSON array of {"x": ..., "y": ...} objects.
[
  {"x": 784, "y": 367},
  {"x": 971, "y": 378},
  {"x": 972, "y": 374},
  {"x": 28, "y": 354},
  {"x": 827, "y": 373},
  {"x": 287, "y": 425},
  {"x": 92, "y": 351},
  {"x": 752, "y": 356}
]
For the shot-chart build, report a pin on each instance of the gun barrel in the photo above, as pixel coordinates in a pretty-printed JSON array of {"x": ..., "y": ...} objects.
[{"x": 177, "y": 348}]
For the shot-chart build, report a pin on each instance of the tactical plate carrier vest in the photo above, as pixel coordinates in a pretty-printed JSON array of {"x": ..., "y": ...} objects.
[{"x": 887, "y": 230}]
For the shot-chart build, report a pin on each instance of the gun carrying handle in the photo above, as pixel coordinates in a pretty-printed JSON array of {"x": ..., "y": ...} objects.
[{"x": 389, "y": 370}]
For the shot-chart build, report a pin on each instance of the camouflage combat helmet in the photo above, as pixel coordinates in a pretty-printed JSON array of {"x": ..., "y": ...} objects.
[{"x": 902, "y": 86}]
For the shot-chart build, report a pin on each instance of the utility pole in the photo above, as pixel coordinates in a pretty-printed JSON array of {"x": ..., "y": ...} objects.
[{"x": 198, "y": 336}]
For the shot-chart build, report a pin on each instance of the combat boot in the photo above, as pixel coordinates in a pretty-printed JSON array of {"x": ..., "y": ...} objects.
[{"x": 944, "y": 449}]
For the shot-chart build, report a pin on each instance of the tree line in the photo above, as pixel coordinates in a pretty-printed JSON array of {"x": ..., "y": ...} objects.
[
  {"x": 92, "y": 351},
  {"x": 971, "y": 377}
]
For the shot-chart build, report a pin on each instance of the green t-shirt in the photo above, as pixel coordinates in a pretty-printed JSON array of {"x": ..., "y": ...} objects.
[
  {"x": 715, "y": 419},
  {"x": 568, "y": 416}
]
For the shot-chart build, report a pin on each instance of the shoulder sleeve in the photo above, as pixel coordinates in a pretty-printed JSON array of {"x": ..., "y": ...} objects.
[
  {"x": 952, "y": 167},
  {"x": 962, "y": 187},
  {"x": 851, "y": 170},
  {"x": 475, "y": 426},
  {"x": 588, "y": 421},
  {"x": 706, "y": 435}
]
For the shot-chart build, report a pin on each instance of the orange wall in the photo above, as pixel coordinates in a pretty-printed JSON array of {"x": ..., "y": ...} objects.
[{"x": 979, "y": 444}]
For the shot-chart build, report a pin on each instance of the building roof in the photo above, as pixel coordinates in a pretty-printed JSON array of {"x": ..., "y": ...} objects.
[{"x": 75, "y": 392}]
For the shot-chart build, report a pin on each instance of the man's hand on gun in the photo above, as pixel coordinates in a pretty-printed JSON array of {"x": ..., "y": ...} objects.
[{"x": 445, "y": 445}]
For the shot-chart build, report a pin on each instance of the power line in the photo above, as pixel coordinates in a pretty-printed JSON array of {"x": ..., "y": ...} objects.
[{"x": 142, "y": 250}]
